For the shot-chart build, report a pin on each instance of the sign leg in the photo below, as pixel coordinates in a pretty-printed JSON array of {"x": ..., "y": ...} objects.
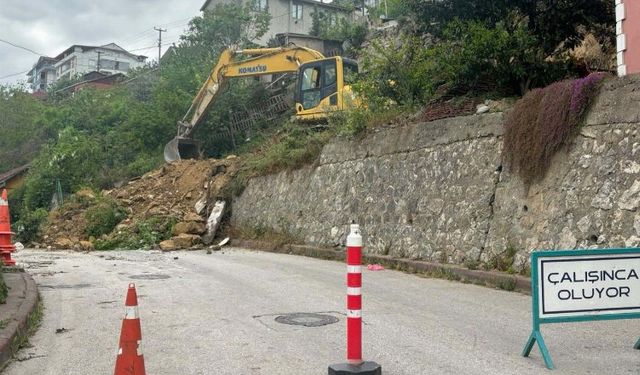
[
  {"x": 543, "y": 350},
  {"x": 537, "y": 336},
  {"x": 529, "y": 345},
  {"x": 637, "y": 345}
]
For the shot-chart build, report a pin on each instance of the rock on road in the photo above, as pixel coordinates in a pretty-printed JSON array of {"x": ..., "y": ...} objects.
[{"x": 215, "y": 314}]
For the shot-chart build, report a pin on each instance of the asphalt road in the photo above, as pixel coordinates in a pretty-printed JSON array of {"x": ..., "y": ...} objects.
[{"x": 215, "y": 314}]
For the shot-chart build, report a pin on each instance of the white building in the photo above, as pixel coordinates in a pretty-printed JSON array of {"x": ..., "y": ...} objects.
[
  {"x": 78, "y": 60},
  {"x": 289, "y": 16},
  {"x": 42, "y": 74}
]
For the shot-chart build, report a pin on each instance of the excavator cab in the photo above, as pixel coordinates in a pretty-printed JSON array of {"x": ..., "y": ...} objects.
[{"x": 324, "y": 86}]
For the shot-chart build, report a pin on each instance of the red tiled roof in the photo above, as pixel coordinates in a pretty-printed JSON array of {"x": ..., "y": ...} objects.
[{"x": 12, "y": 173}]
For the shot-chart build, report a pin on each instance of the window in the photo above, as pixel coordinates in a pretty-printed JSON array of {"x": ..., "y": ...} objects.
[
  {"x": 310, "y": 87},
  {"x": 318, "y": 82},
  {"x": 296, "y": 11},
  {"x": 330, "y": 82},
  {"x": 64, "y": 67},
  {"x": 330, "y": 74},
  {"x": 261, "y": 5},
  {"x": 311, "y": 78},
  {"x": 113, "y": 65},
  {"x": 333, "y": 19}
]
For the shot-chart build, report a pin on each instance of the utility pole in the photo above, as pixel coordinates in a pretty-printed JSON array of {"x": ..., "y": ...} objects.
[
  {"x": 160, "y": 31},
  {"x": 98, "y": 65}
]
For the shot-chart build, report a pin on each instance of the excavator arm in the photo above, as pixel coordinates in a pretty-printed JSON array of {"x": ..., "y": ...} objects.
[{"x": 260, "y": 61}]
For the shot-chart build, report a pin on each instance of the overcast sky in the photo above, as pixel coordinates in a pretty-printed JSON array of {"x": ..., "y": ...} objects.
[{"x": 49, "y": 27}]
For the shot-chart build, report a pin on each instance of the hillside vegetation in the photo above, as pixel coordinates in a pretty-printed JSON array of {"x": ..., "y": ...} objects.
[{"x": 441, "y": 50}]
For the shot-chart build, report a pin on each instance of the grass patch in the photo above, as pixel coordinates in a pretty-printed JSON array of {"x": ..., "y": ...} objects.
[
  {"x": 503, "y": 261},
  {"x": 509, "y": 285},
  {"x": 297, "y": 144},
  {"x": 472, "y": 264},
  {"x": 33, "y": 322},
  {"x": 4, "y": 291},
  {"x": 293, "y": 147}
]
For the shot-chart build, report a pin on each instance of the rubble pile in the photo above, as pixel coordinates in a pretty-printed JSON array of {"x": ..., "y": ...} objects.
[{"x": 166, "y": 208}]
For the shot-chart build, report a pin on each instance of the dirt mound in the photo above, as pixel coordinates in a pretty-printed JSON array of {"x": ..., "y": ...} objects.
[
  {"x": 145, "y": 211},
  {"x": 175, "y": 188}
]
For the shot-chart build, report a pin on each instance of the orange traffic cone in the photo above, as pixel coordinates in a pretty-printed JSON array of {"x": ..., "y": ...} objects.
[
  {"x": 130, "y": 360},
  {"x": 6, "y": 247}
]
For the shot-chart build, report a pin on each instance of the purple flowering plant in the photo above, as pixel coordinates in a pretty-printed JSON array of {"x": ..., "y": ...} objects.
[{"x": 544, "y": 121}]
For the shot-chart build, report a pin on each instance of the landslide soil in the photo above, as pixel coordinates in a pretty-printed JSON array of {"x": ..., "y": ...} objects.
[{"x": 171, "y": 191}]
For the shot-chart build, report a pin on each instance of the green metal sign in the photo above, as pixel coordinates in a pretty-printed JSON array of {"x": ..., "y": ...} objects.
[{"x": 582, "y": 285}]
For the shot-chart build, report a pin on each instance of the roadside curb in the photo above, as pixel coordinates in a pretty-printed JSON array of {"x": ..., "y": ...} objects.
[
  {"x": 20, "y": 309},
  {"x": 495, "y": 279}
]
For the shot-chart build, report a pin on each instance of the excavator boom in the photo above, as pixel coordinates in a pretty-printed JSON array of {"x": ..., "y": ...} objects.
[{"x": 260, "y": 61}]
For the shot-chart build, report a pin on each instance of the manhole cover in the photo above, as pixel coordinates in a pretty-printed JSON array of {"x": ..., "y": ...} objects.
[
  {"x": 307, "y": 319},
  {"x": 149, "y": 276}
]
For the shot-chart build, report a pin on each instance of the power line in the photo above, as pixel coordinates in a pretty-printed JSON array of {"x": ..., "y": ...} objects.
[
  {"x": 137, "y": 36},
  {"x": 145, "y": 34},
  {"x": 14, "y": 74},
  {"x": 177, "y": 21},
  {"x": 142, "y": 38},
  {"x": 154, "y": 46},
  {"x": 143, "y": 48},
  {"x": 21, "y": 47}
]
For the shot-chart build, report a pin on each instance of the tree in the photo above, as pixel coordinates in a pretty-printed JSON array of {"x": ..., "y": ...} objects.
[
  {"x": 227, "y": 25},
  {"x": 558, "y": 25},
  {"x": 22, "y": 135},
  {"x": 224, "y": 26}
]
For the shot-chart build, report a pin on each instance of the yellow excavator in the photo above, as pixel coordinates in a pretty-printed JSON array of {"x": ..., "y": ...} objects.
[{"x": 323, "y": 85}]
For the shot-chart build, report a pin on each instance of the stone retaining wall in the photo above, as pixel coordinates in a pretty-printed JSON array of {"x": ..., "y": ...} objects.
[{"x": 437, "y": 191}]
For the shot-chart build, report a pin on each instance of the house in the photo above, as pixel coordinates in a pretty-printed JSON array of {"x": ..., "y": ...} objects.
[
  {"x": 328, "y": 47},
  {"x": 42, "y": 74},
  {"x": 80, "y": 59},
  {"x": 95, "y": 79},
  {"x": 14, "y": 178},
  {"x": 290, "y": 16}
]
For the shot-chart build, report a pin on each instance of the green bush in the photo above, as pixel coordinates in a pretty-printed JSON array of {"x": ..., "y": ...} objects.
[
  {"x": 470, "y": 57},
  {"x": 4, "y": 291},
  {"x": 391, "y": 9},
  {"x": 330, "y": 26},
  {"x": 28, "y": 227},
  {"x": 75, "y": 160},
  {"x": 154, "y": 230},
  {"x": 395, "y": 74},
  {"x": 103, "y": 217},
  {"x": 144, "y": 234}
]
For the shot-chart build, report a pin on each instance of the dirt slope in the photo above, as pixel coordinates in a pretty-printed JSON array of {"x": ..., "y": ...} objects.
[{"x": 177, "y": 195}]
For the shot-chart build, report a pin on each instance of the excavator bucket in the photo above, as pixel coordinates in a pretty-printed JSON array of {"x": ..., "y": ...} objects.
[{"x": 181, "y": 148}]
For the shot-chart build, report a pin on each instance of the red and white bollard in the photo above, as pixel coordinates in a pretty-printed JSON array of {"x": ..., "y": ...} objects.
[
  {"x": 354, "y": 296},
  {"x": 355, "y": 364}
]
